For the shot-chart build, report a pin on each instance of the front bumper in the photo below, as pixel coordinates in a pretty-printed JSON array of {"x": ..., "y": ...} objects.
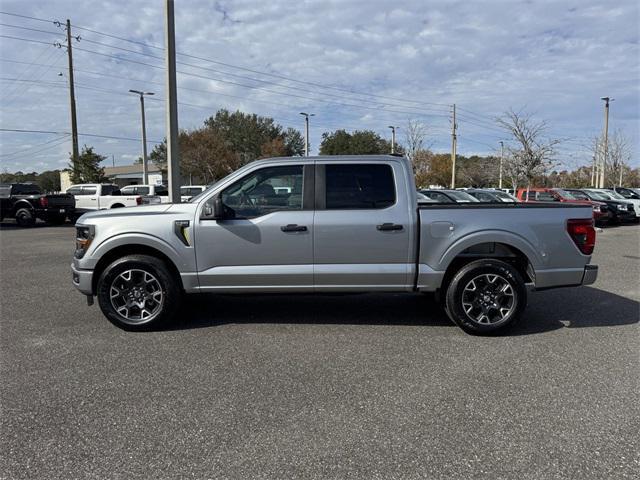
[
  {"x": 590, "y": 274},
  {"x": 82, "y": 280}
]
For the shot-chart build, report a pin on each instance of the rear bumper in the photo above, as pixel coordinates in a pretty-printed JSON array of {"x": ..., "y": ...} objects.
[
  {"x": 590, "y": 274},
  {"x": 82, "y": 280}
]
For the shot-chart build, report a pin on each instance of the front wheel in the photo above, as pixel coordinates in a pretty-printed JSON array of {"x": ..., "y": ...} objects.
[
  {"x": 138, "y": 292},
  {"x": 486, "y": 296}
]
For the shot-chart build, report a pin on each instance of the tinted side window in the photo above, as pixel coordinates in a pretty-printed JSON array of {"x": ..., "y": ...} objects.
[
  {"x": 142, "y": 191},
  {"x": 359, "y": 186},
  {"x": 109, "y": 189},
  {"x": 162, "y": 190},
  {"x": 255, "y": 194},
  {"x": 89, "y": 190}
]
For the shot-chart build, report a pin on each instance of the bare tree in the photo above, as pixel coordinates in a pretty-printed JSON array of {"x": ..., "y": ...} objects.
[
  {"x": 532, "y": 153},
  {"x": 619, "y": 156},
  {"x": 415, "y": 134}
]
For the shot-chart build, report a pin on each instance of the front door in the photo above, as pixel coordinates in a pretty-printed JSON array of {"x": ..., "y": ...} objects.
[
  {"x": 266, "y": 243},
  {"x": 362, "y": 227}
]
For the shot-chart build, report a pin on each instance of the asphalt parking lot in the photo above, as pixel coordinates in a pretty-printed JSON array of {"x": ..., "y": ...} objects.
[{"x": 367, "y": 386}]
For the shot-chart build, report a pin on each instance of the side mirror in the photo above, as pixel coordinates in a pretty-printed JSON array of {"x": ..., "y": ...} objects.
[{"x": 218, "y": 208}]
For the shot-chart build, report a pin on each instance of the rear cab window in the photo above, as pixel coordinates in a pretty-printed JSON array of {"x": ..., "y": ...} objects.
[{"x": 359, "y": 186}]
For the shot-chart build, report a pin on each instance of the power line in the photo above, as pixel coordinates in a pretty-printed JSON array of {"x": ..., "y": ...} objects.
[
  {"x": 27, "y": 16},
  {"x": 283, "y": 77},
  {"x": 29, "y": 28},
  {"x": 244, "y": 77},
  {"x": 112, "y": 137},
  {"x": 57, "y": 143},
  {"x": 23, "y": 150}
]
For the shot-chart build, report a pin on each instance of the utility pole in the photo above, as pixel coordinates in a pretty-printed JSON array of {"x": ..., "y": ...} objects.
[
  {"x": 594, "y": 169},
  {"x": 454, "y": 143},
  {"x": 393, "y": 138},
  {"x": 72, "y": 99},
  {"x": 501, "y": 160},
  {"x": 306, "y": 131},
  {"x": 173, "y": 159},
  {"x": 606, "y": 140},
  {"x": 145, "y": 175}
]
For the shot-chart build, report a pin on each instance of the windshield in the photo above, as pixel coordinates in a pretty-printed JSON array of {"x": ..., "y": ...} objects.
[
  {"x": 580, "y": 195},
  {"x": 505, "y": 197},
  {"x": 597, "y": 196},
  {"x": 564, "y": 194},
  {"x": 615, "y": 195},
  {"x": 462, "y": 197}
]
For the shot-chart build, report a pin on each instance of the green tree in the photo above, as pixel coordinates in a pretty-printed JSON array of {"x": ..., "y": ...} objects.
[
  {"x": 246, "y": 133},
  {"x": 49, "y": 181},
  {"x": 87, "y": 169},
  {"x": 360, "y": 142}
]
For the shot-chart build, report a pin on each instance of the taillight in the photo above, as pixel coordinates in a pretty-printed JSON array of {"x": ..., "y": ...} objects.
[
  {"x": 138, "y": 200},
  {"x": 583, "y": 234},
  {"x": 44, "y": 202}
]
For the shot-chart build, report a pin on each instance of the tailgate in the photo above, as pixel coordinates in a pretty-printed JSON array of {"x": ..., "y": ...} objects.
[{"x": 61, "y": 200}]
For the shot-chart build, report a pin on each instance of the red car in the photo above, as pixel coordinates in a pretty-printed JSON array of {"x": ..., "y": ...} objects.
[{"x": 601, "y": 212}]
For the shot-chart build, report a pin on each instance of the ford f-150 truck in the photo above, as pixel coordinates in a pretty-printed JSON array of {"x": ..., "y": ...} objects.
[
  {"x": 25, "y": 202},
  {"x": 330, "y": 224}
]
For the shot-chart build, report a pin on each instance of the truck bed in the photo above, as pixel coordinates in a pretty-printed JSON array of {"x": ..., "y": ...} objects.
[{"x": 535, "y": 231}]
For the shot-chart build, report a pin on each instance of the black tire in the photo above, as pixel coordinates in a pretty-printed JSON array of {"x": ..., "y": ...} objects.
[
  {"x": 25, "y": 217},
  {"x": 484, "y": 313},
  {"x": 56, "y": 219},
  {"x": 161, "y": 312}
]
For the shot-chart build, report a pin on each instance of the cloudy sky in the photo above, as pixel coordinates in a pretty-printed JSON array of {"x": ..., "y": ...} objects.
[{"x": 355, "y": 64}]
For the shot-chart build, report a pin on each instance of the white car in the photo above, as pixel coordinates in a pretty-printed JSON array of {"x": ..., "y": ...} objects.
[
  {"x": 613, "y": 195},
  {"x": 149, "y": 193},
  {"x": 187, "y": 192},
  {"x": 101, "y": 196}
]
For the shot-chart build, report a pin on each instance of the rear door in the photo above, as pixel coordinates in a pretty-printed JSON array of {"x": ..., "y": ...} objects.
[
  {"x": 90, "y": 197},
  {"x": 266, "y": 244},
  {"x": 361, "y": 228}
]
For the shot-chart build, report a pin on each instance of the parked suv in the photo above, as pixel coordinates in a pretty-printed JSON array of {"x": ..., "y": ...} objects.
[
  {"x": 620, "y": 211},
  {"x": 25, "y": 202}
]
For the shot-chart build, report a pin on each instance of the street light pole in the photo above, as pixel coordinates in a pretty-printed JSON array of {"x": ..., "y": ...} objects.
[
  {"x": 606, "y": 140},
  {"x": 501, "y": 160},
  {"x": 306, "y": 131},
  {"x": 393, "y": 138},
  {"x": 454, "y": 143},
  {"x": 145, "y": 170},
  {"x": 171, "y": 104}
]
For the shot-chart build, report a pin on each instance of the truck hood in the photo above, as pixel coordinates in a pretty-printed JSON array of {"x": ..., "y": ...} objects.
[{"x": 143, "y": 211}]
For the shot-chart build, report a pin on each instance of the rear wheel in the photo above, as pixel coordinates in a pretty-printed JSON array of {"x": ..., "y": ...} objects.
[
  {"x": 25, "y": 218},
  {"x": 486, "y": 296},
  {"x": 138, "y": 292}
]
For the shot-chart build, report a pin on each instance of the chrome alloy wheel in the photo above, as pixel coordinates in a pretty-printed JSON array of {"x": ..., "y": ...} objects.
[
  {"x": 136, "y": 295},
  {"x": 488, "y": 299}
]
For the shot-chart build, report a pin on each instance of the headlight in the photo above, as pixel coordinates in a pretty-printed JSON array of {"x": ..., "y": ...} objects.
[
  {"x": 84, "y": 237},
  {"x": 622, "y": 206},
  {"x": 597, "y": 208}
]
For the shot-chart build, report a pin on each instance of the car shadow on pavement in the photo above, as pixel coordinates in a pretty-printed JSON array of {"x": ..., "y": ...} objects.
[
  {"x": 206, "y": 310},
  {"x": 547, "y": 311},
  {"x": 580, "y": 307}
]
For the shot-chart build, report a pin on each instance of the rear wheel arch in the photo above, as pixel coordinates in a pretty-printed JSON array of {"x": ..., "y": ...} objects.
[
  {"x": 489, "y": 251},
  {"x": 117, "y": 205}
]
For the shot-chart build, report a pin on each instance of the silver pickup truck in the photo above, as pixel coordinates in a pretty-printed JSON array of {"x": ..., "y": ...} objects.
[{"x": 330, "y": 224}]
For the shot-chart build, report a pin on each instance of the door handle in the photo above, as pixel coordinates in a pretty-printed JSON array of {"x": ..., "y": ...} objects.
[
  {"x": 385, "y": 227},
  {"x": 292, "y": 227}
]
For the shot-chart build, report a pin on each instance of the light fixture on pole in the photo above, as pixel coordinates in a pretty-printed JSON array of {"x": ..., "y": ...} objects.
[
  {"x": 306, "y": 131},
  {"x": 393, "y": 138},
  {"x": 606, "y": 140},
  {"x": 145, "y": 174}
]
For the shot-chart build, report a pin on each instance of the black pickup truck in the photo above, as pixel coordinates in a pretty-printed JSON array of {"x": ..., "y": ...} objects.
[{"x": 25, "y": 202}]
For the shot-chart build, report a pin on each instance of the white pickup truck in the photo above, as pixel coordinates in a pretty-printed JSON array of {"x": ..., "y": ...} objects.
[
  {"x": 101, "y": 196},
  {"x": 150, "y": 193}
]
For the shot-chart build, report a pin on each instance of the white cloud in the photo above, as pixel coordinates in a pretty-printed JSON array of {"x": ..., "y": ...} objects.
[{"x": 555, "y": 58}]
